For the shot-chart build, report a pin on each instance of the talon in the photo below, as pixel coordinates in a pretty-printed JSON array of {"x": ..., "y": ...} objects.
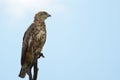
[{"x": 41, "y": 54}]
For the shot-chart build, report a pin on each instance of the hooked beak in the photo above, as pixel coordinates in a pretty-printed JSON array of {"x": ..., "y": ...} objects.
[{"x": 49, "y": 15}]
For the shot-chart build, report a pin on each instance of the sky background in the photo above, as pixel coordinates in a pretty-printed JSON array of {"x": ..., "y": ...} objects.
[{"x": 83, "y": 38}]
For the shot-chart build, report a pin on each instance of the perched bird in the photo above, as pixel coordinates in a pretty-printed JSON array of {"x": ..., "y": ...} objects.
[{"x": 33, "y": 42}]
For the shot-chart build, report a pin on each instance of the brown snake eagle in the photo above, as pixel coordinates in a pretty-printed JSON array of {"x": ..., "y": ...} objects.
[{"x": 33, "y": 42}]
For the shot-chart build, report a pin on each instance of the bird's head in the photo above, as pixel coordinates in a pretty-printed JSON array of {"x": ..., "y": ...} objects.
[{"x": 41, "y": 16}]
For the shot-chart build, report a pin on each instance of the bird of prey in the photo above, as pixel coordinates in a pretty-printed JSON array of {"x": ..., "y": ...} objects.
[{"x": 33, "y": 42}]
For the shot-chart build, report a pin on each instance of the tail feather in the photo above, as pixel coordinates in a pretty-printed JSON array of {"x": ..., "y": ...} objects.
[{"x": 22, "y": 73}]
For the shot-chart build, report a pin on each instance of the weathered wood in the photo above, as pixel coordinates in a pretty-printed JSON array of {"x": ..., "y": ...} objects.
[
  {"x": 35, "y": 70},
  {"x": 34, "y": 65},
  {"x": 29, "y": 72}
]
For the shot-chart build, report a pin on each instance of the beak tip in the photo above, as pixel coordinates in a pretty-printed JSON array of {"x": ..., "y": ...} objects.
[{"x": 49, "y": 15}]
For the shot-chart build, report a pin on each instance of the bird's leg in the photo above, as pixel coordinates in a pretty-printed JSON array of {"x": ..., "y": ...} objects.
[{"x": 35, "y": 70}]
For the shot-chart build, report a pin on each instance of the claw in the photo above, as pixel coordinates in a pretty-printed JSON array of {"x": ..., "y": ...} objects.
[{"x": 39, "y": 55}]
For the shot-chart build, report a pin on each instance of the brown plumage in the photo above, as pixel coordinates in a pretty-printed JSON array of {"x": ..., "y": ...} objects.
[{"x": 33, "y": 42}]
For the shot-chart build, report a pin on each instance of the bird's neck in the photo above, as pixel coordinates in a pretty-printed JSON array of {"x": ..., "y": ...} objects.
[{"x": 39, "y": 22}]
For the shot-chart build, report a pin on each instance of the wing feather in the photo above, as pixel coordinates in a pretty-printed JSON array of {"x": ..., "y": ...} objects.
[{"x": 26, "y": 43}]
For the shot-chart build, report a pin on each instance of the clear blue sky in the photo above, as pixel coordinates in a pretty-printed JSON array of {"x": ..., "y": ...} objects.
[{"x": 83, "y": 41}]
